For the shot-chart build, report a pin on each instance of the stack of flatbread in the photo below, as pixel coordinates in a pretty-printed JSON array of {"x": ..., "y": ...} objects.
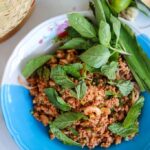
[{"x": 13, "y": 14}]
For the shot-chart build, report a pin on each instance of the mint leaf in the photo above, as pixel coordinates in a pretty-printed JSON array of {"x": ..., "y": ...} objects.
[
  {"x": 75, "y": 43},
  {"x": 81, "y": 90},
  {"x": 56, "y": 100},
  {"x": 65, "y": 106},
  {"x": 39, "y": 72},
  {"x": 133, "y": 113},
  {"x": 62, "y": 137},
  {"x": 46, "y": 73},
  {"x": 67, "y": 119},
  {"x": 91, "y": 69},
  {"x": 109, "y": 93},
  {"x": 99, "y": 12},
  {"x": 34, "y": 64},
  {"x": 116, "y": 26},
  {"x": 104, "y": 33},
  {"x": 73, "y": 93},
  {"x": 73, "y": 69},
  {"x": 110, "y": 70},
  {"x": 96, "y": 56},
  {"x": 81, "y": 25},
  {"x": 74, "y": 131},
  {"x": 59, "y": 76},
  {"x": 118, "y": 129},
  {"x": 125, "y": 87}
]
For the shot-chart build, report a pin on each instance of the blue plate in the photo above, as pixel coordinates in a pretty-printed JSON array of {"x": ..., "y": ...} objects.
[{"x": 28, "y": 133}]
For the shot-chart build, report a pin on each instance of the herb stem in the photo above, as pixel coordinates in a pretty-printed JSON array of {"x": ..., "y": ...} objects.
[
  {"x": 121, "y": 52},
  {"x": 113, "y": 53}
]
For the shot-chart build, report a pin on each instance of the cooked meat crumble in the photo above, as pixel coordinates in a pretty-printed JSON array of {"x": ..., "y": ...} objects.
[{"x": 101, "y": 109}]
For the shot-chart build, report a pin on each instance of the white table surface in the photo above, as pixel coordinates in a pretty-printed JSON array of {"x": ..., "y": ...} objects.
[{"x": 44, "y": 10}]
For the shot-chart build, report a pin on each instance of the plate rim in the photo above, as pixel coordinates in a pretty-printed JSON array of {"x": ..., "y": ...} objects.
[{"x": 4, "y": 90}]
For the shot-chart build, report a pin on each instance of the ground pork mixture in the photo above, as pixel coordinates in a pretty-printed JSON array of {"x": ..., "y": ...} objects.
[{"x": 101, "y": 109}]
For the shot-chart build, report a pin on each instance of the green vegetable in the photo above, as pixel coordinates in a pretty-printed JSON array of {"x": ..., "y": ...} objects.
[
  {"x": 74, "y": 131},
  {"x": 92, "y": 69},
  {"x": 62, "y": 137},
  {"x": 109, "y": 93},
  {"x": 105, "y": 9},
  {"x": 65, "y": 106},
  {"x": 104, "y": 33},
  {"x": 137, "y": 58},
  {"x": 133, "y": 113},
  {"x": 56, "y": 100},
  {"x": 72, "y": 33},
  {"x": 73, "y": 69},
  {"x": 110, "y": 70},
  {"x": 125, "y": 87},
  {"x": 92, "y": 7},
  {"x": 99, "y": 13},
  {"x": 76, "y": 43},
  {"x": 119, "y": 5},
  {"x": 116, "y": 27},
  {"x": 67, "y": 119},
  {"x": 46, "y": 73},
  {"x": 34, "y": 64},
  {"x": 82, "y": 25},
  {"x": 129, "y": 125},
  {"x": 40, "y": 72},
  {"x": 81, "y": 90},
  {"x": 73, "y": 93},
  {"x": 96, "y": 56},
  {"x": 59, "y": 76},
  {"x": 118, "y": 129}
]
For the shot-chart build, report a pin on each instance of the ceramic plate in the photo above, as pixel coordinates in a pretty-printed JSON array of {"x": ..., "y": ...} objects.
[{"x": 16, "y": 101}]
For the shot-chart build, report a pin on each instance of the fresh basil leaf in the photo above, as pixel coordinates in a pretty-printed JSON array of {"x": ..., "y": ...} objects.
[
  {"x": 67, "y": 119},
  {"x": 99, "y": 12},
  {"x": 76, "y": 43},
  {"x": 62, "y": 137},
  {"x": 104, "y": 33},
  {"x": 75, "y": 132},
  {"x": 59, "y": 76},
  {"x": 116, "y": 27},
  {"x": 110, "y": 70},
  {"x": 73, "y": 69},
  {"x": 72, "y": 33},
  {"x": 133, "y": 113},
  {"x": 118, "y": 129},
  {"x": 81, "y": 90},
  {"x": 82, "y": 25},
  {"x": 96, "y": 56},
  {"x": 125, "y": 87},
  {"x": 34, "y": 64},
  {"x": 56, "y": 100},
  {"x": 46, "y": 73}
]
